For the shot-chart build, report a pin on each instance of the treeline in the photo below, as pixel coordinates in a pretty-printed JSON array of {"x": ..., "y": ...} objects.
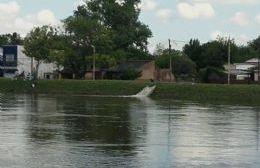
[
  {"x": 113, "y": 32},
  {"x": 205, "y": 61},
  {"x": 11, "y": 39},
  {"x": 110, "y": 30}
]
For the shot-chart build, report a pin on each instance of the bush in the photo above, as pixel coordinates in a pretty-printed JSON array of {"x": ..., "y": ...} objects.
[
  {"x": 182, "y": 66},
  {"x": 212, "y": 75},
  {"x": 130, "y": 74}
]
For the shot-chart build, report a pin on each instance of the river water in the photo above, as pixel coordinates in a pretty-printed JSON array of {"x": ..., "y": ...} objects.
[{"x": 43, "y": 131}]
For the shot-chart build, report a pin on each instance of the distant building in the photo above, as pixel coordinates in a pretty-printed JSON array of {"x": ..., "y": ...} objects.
[
  {"x": 13, "y": 62},
  {"x": 245, "y": 71},
  {"x": 147, "y": 68}
]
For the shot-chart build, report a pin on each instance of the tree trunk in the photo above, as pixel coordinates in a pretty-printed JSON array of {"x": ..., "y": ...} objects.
[{"x": 37, "y": 70}]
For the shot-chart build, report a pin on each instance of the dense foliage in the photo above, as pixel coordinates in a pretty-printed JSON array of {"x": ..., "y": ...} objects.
[
  {"x": 37, "y": 45},
  {"x": 10, "y": 39},
  {"x": 211, "y": 57},
  {"x": 182, "y": 66},
  {"x": 109, "y": 29}
]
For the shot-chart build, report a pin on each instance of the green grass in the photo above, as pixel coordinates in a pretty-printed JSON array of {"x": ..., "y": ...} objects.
[
  {"x": 72, "y": 87},
  {"x": 238, "y": 94},
  {"x": 212, "y": 93}
]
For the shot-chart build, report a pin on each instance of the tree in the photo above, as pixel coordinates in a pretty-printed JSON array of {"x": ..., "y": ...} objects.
[
  {"x": 214, "y": 54},
  {"x": 102, "y": 61},
  {"x": 194, "y": 51},
  {"x": 159, "y": 50},
  {"x": 113, "y": 28},
  {"x": 38, "y": 44},
  {"x": 122, "y": 19},
  {"x": 255, "y": 44},
  {"x": 11, "y": 39},
  {"x": 82, "y": 32},
  {"x": 183, "y": 66},
  {"x": 243, "y": 54}
]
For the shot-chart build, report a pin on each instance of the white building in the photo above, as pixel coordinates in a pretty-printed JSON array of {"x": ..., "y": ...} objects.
[
  {"x": 14, "y": 62},
  {"x": 245, "y": 70}
]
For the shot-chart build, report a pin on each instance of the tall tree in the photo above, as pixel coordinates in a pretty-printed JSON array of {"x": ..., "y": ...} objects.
[
  {"x": 255, "y": 44},
  {"x": 122, "y": 18},
  {"x": 182, "y": 65},
  {"x": 38, "y": 44},
  {"x": 112, "y": 28},
  {"x": 194, "y": 51},
  {"x": 213, "y": 53},
  {"x": 83, "y": 33}
]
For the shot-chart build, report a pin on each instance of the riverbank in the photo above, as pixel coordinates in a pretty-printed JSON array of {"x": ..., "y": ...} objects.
[
  {"x": 72, "y": 87},
  {"x": 211, "y": 93},
  {"x": 197, "y": 92}
]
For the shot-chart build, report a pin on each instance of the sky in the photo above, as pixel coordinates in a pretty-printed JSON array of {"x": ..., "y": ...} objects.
[{"x": 178, "y": 20}]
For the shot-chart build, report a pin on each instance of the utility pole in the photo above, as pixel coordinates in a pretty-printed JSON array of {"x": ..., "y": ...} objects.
[
  {"x": 258, "y": 63},
  {"x": 229, "y": 60},
  {"x": 94, "y": 63},
  {"x": 32, "y": 72},
  {"x": 170, "y": 49}
]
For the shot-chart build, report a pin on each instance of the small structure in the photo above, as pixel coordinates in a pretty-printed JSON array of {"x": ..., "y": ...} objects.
[
  {"x": 13, "y": 62},
  {"x": 165, "y": 75},
  {"x": 147, "y": 69},
  {"x": 248, "y": 70}
]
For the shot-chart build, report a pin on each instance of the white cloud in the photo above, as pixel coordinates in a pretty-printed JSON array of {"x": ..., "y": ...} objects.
[
  {"x": 11, "y": 21},
  {"x": 240, "y": 39},
  {"x": 240, "y": 19},
  {"x": 257, "y": 18},
  {"x": 148, "y": 5},
  {"x": 9, "y": 8},
  {"x": 196, "y": 10},
  {"x": 215, "y": 34},
  {"x": 46, "y": 17},
  {"x": 238, "y": 2},
  {"x": 24, "y": 25},
  {"x": 164, "y": 14}
]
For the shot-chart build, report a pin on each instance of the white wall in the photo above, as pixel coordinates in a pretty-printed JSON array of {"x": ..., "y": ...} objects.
[
  {"x": 24, "y": 64},
  {"x": 244, "y": 66}
]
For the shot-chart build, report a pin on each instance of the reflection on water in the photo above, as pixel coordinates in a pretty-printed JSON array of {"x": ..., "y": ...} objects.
[{"x": 74, "y": 131}]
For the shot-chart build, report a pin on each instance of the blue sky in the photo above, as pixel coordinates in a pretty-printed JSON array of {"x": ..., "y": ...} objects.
[{"x": 174, "y": 19}]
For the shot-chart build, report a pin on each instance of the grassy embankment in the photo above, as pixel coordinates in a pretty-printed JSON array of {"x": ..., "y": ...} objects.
[
  {"x": 239, "y": 94},
  {"x": 211, "y": 93},
  {"x": 72, "y": 87}
]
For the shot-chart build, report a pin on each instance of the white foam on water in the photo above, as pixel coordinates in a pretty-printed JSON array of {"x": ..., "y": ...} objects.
[{"x": 146, "y": 92}]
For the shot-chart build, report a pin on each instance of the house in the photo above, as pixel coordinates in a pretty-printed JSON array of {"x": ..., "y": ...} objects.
[
  {"x": 14, "y": 62},
  {"x": 245, "y": 71},
  {"x": 147, "y": 69}
]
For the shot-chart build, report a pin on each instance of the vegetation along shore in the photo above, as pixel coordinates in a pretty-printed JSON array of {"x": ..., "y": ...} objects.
[{"x": 245, "y": 94}]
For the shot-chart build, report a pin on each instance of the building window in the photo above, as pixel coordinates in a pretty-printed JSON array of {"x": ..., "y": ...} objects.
[
  {"x": 1, "y": 54},
  {"x": 9, "y": 58}
]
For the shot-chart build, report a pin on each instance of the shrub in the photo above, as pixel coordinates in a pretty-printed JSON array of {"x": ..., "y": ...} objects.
[
  {"x": 130, "y": 74},
  {"x": 212, "y": 75}
]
